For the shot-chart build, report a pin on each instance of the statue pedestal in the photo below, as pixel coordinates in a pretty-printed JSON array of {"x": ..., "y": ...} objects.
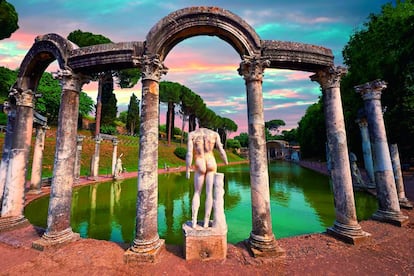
[{"x": 204, "y": 243}]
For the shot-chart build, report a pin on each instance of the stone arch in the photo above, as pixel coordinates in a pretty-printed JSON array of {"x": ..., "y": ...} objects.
[
  {"x": 194, "y": 21},
  {"x": 46, "y": 49}
]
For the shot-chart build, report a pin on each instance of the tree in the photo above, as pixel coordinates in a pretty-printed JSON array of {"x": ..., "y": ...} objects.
[
  {"x": 226, "y": 126},
  {"x": 132, "y": 120},
  {"x": 8, "y": 19},
  {"x": 123, "y": 116},
  {"x": 383, "y": 49},
  {"x": 243, "y": 138},
  {"x": 273, "y": 125},
  {"x": 109, "y": 101},
  {"x": 170, "y": 93},
  {"x": 311, "y": 132},
  {"x": 7, "y": 79}
]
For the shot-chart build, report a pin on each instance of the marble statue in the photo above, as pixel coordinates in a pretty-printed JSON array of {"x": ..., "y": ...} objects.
[{"x": 356, "y": 174}]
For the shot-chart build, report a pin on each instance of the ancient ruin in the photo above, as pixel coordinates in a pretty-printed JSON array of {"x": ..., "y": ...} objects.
[{"x": 77, "y": 64}]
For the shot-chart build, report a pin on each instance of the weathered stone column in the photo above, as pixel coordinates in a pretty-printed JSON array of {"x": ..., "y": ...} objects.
[
  {"x": 396, "y": 166},
  {"x": 147, "y": 243},
  {"x": 13, "y": 195},
  {"x": 114, "y": 155},
  {"x": 389, "y": 208},
  {"x": 95, "y": 158},
  {"x": 78, "y": 157},
  {"x": 36, "y": 179},
  {"x": 262, "y": 241},
  {"x": 346, "y": 226},
  {"x": 366, "y": 151},
  {"x": 58, "y": 219},
  {"x": 10, "y": 110}
]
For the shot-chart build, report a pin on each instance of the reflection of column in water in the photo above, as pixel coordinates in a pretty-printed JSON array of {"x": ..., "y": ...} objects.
[
  {"x": 117, "y": 191},
  {"x": 111, "y": 199},
  {"x": 92, "y": 210}
]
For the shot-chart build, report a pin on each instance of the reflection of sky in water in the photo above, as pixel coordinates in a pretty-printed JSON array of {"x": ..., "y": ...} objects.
[{"x": 301, "y": 202}]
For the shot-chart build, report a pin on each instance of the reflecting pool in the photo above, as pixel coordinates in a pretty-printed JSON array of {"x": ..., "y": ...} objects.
[{"x": 301, "y": 203}]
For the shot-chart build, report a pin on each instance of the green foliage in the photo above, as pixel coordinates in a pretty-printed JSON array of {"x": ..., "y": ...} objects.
[
  {"x": 127, "y": 78},
  {"x": 233, "y": 144},
  {"x": 273, "y": 125},
  {"x": 290, "y": 135},
  {"x": 83, "y": 39},
  {"x": 383, "y": 49},
  {"x": 132, "y": 119},
  {"x": 180, "y": 152},
  {"x": 243, "y": 138},
  {"x": 7, "y": 79},
  {"x": 311, "y": 132},
  {"x": 109, "y": 129},
  {"x": 123, "y": 116},
  {"x": 3, "y": 118},
  {"x": 8, "y": 19},
  {"x": 48, "y": 104},
  {"x": 109, "y": 101}
]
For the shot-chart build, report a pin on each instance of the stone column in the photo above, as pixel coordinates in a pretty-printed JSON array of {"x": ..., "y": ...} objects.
[
  {"x": 366, "y": 151},
  {"x": 389, "y": 208},
  {"x": 10, "y": 110},
  {"x": 346, "y": 226},
  {"x": 396, "y": 166},
  {"x": 78, "y": 157},
  {"x": 95, "y": 158},
  {"x": 58, "y": 219},
  {"x": 147, "y": 243},
  {"x": 36, "y": 179},
  {"x": 262, "y": 241},
  {"x": 14, "y": 189},
  {"x": 114, "y": 155}
]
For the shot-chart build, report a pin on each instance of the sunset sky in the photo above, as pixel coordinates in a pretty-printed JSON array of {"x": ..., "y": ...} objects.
[{"x": 207, "y": 65}]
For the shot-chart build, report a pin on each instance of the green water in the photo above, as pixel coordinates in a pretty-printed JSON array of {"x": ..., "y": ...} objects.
[{"x": 301, "y": 203}]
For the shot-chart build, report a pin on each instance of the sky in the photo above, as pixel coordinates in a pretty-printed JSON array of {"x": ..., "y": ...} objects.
[{"x": 205, "y": 64}]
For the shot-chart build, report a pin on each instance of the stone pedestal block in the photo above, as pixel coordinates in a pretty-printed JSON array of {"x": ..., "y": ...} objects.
[
  {"x": 53, "y": 240},
  {"x": 204, "y": 243},
  {"x": 395, "y": 218},
  {"x": 151, "y": 256}
]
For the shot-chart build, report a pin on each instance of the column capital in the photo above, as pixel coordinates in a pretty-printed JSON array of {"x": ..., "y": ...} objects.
[
  {"x": 362, "y": 122},
  {"x": 371, "y": 90},
  {"x": 252, "y": 68},
  {"x": 115, "y": 142},
  {"x": 329, "y": 77},
  {"x": 23, "y": 97},
  {"x": 80, "y": 138},
  {"x": 151, "y": 67},
  {"x": 70, "y": 80}
]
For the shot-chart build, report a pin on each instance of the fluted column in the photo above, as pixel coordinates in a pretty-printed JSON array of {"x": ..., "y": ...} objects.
[
  {"x": 114, "y": 154},
  {"x": 10, "y": 110},
  {"x": 346, "y": 226},
  {"x": 389, "y": 208},
  {"x": 366, "y": 151},
  {"x": 58, "y": 219},
  {"x": 36, "y": 179},
  {"x": 78, "y": 157},
  {"x": 262, "y": 241},
  {"x": 14, "y": 189},
  {"x": 399, "y": 183},
  {"x": 147, "y": 243}
]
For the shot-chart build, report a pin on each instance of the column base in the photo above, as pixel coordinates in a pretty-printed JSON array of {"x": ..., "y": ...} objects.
[
  {"x": 351, "y": 234},
  {"x": 144, "y": 251},
  {"x": 34, "y": 191},
  {"x": 394, "y": 218},
  {"x": 53, "y": 240},
  {"x": 405, "y": 203},
  {"x": 263, "y": 247},
  {"x": 11, "y": 223}
]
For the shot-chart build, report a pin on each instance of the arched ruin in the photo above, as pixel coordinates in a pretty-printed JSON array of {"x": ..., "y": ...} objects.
[{"x": 75, "y": 64}]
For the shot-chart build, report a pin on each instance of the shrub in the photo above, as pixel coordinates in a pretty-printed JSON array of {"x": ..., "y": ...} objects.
[
  {"x": 233, "y": 144},
  {"x": 180, "y": 152},
  {"x": 107, "y": 129}
]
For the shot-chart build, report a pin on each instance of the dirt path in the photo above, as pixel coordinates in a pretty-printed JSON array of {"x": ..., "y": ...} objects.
[{"x": 389, "y": 252}]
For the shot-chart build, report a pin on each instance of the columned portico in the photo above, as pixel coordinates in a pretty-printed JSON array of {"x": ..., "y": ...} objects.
[
  {"x": 366, "y": 151},
  {"x": 14, "y": 189},
  {"x": 58, "y": 221},
  {"x": 389, "y": 208},
  {"x": 262, "y": 241},
  {"x": 147, "y": 243},
  {"x": 346, "y": 226}
]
